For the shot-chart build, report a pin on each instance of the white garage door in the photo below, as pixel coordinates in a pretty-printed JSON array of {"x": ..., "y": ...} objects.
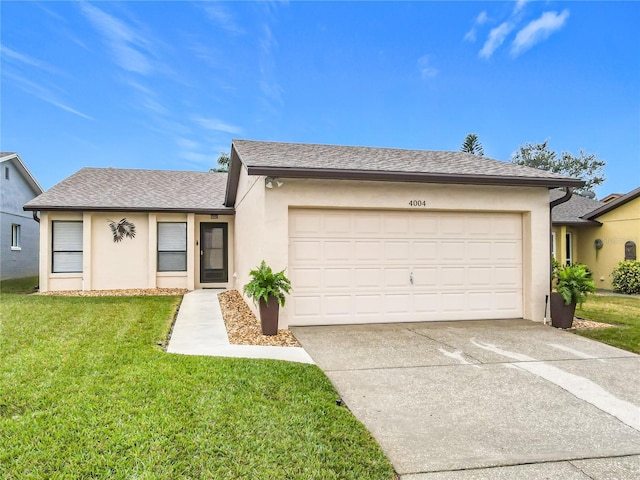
[{"x": 356, "y": 266}]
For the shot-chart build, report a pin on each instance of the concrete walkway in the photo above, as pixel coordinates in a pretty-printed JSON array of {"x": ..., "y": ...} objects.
[{"x": 199, "y": 330}]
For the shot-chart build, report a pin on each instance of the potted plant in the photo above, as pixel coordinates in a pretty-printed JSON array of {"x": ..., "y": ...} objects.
[
  {"x": 573, "y": 283},
  {"x": 268, "y": 289}
]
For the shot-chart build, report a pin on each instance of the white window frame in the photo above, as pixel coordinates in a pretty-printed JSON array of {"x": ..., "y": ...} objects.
[
  {"x": 569, "y": 248},
  {"x": 15, "y": 237},
  {"x": 72, "y": 247},
  {"x": 553, "y": 246},
  {"x": 172, "y": 242}
]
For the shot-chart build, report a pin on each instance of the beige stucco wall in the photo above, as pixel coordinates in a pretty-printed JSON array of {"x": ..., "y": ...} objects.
[
  {"x": 250, "y": 229},
  {"x": 259, "y": 208},
  {"x": 131, "y": 263},
  {"x": 618, "y": 227}
]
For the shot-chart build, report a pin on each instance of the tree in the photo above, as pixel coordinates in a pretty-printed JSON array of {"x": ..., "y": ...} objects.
[
  {"x": 472, "y": 145},
  {"x": 586, "y": 166},
  {"x": 223, "y": 163}
]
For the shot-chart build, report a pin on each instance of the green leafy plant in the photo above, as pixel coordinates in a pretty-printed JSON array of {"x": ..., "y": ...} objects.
[
  {"x": 264, "y": 282},
  {"x": 626, "y": 277},
  {"x": 574, "y": 283}
]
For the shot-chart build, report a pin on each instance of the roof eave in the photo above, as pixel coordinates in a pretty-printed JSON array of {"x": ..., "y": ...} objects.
[
  {"x": 577, "y": 223},
  {"x": 613, "y": 204},
  {"x": 26, "y": 174},
  {"x": 79, "y": 208},
  {"x": 339, "y": 174}
]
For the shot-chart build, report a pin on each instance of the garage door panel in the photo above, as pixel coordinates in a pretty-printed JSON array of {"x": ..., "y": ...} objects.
[
  {"x": 368, "y": 250},
  {"x": 305, "y": 277},
  {"x": 396, "y": 277},
  {"x": 337, "y": 225},
  {"x": 367, "y": 277},
  {"x": 367, "y": 224},
  {"x": 337, "y": 305},
  {"x": 355, "y": 266},
  {"x": 337, "y": 277},
  {"x": 425, "y": 276},
  {"x": 452, "y": 251},
  {"x": 337, "y": 251},
  {"x": 425, "y": 251},
  {"x": 397, "y": 225},
  {"x": 305, "y": 251},
  {"x": 480, "y": 276}
]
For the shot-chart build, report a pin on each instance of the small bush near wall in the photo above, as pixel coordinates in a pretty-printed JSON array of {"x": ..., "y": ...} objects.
[{"x": 626, "y": 277}]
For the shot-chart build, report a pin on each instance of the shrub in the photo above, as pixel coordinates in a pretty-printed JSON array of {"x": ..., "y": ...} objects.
[
  {"x": 574, "y": 283},
  {"x": 626, "y": 277}
]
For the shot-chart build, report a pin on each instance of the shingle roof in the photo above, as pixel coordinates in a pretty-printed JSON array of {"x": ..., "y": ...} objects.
[
  {"x": 135, "y": 190},
  {"x": 297, "y": 156},
  {"x": 572, "y": 211}
]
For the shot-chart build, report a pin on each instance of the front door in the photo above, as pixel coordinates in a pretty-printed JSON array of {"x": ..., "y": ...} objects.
[{"x": 214, "y": 264}]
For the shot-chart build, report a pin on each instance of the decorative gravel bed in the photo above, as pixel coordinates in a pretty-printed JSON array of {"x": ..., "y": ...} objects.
[
  {"x": 243, "y": 328},
  {"x": 584, "y": 324}
]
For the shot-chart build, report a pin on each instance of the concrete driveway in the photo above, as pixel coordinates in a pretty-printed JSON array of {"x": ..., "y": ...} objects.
[{"x": 492, "y": 399}]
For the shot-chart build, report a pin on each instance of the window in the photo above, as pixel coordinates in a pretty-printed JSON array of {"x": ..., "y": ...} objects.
[
  {"x": 6, "y": 173},
  {"x": 553, "y": 245},
  {"x": 569, "y": 248},
  {"x": 172, "y": 247},
  {"x": 67, "y": 247},
  {"x": 15, "y": 236}
]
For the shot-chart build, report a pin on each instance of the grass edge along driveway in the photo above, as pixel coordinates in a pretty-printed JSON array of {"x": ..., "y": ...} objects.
[
  {"x": 85, "y": 392},
  {"x": 624, "y": 312}
]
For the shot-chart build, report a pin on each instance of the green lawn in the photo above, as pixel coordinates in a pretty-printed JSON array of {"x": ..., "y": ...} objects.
[
  {"x": 86, "y": 392},
  {"x": 617, "y": 311}
]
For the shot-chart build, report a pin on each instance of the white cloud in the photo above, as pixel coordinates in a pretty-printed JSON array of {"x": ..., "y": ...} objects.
[
  {"x": 520, "y": 5},
  {"x": 481, "y": 19},
  {"x": 216, "y": 125},
  {"x": 425, "y": 67},
  {"x": 222, "y": 17},
  {"x": 43, "y": 93},
  {"x": 17, "y": 57},
  {"x": 496, "y": 38},
  {"x": 538, "y": 30},
  {"x": 125, "y": 43}
]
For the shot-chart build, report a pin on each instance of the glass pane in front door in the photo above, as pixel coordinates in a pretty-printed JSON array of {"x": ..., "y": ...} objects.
[{"x": 213, "y": 253}]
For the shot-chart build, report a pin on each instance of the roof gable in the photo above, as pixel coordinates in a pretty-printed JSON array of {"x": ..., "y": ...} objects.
[
  {"x": 613, "y": 204},
  {"x": 17, "y": 162},
  {"x": 136, "y": 190}
]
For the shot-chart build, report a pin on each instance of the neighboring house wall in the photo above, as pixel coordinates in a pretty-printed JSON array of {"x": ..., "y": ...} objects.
[
  {"x": 21, "y": 261},
  {"x": 273, "y": 206},
  {"x": 618, "y": 227},
  {"x": 132, "y": 262}
]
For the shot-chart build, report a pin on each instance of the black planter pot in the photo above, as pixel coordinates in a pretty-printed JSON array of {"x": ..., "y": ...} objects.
[
  {"x": 561, "y": 313},
  {"x": 269, "y": 315}
]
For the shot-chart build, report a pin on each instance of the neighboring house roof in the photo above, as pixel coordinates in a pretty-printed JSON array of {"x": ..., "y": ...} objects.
[
  {"x": 296, "y": 160},
  {"x": 17, "y": 162},
  {"x": 136, "y": 190},
  {"x": 572, "y": 211},
  {"x": 611, "y": 196},
  {"x": 633, "y": 194}
]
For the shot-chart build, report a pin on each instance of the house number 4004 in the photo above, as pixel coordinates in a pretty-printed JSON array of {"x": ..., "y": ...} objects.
[{"x": 417, "y": 203}]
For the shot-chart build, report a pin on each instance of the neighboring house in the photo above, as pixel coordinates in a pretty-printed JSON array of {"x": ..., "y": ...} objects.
[
  {"x": 597, "y": 233},
  {"x": 19, "y": 231},
  {"x": 366, "y": 234}
]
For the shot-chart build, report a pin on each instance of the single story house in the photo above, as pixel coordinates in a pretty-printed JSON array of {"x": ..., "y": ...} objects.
[
  {"x": 366, "y": 234},
  {"x": 19, "y": 231},
  {"x": 598, "y": 234}
]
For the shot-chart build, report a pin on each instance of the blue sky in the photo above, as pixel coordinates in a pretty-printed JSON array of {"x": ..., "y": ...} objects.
[{"x": 167, "y": 85}]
